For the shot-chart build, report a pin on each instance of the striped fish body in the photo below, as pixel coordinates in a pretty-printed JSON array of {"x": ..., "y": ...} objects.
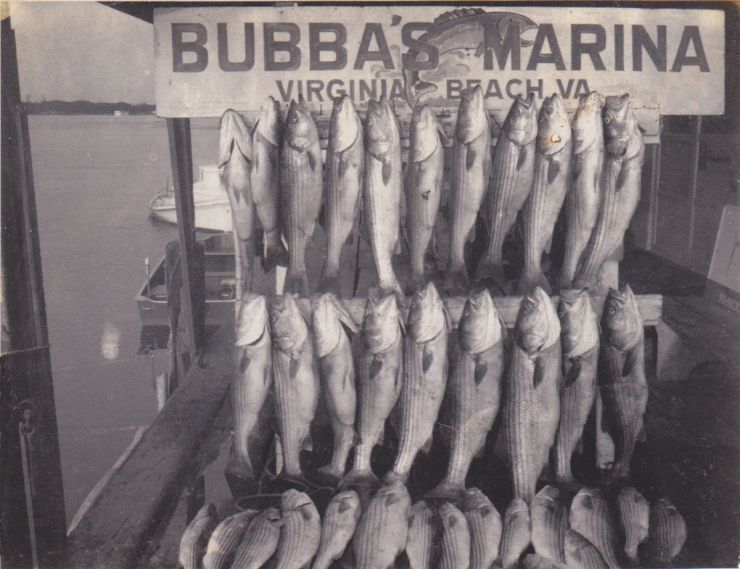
[
  {"x": 383, "y": 529},
  {"x": 300, "y": 533},
  {"x": 300, "y": 191},
  {"x": 583, "y": 200},
  {"x": 667, "y": 533},
  {"x": 485, "y": 526},
  {"x": 534, "y": 561},
  {"x": 634, "y": 517},
  {"x": 421, "y": 543},
  {"x": 591, "y": 516},
  {"x": 580, "y": 553},
  {"x": 517, "y": 533},
  {"x": 259, "y": 542},
  {"x": 551, "y": 177},
  {"x": 549, "y": 524},
  {"x": 547, "y": 381},
  {"x": 194, "y": 540},
  {"x": 226, "y": 538},
  {"x": 340, "y": 521},
  {"x": 345, "y": 158},
  {"x": 455, "y": 553}
]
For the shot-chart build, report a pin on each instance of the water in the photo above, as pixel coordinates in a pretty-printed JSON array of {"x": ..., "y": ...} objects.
[{"x": 94, "y": 177}]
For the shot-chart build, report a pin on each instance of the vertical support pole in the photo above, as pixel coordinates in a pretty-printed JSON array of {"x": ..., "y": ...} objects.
[
  {"x": 652, "y": 226},
  {"x": 693, "y": 181},
  {"x": 32, "y": 516}
]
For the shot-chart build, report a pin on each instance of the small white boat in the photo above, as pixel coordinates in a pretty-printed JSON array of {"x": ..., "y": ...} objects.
[{"x": 212, "y": 209}]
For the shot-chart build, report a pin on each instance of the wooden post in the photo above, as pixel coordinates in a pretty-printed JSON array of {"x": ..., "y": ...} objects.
[
  {"x": 693, "y": 181},
  {"x": 32, "y": 517}
]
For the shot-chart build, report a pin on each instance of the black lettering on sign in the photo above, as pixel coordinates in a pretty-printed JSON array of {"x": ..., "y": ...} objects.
[
  {"x": 180, "y": 47},
  {"x": 381, "y": 54},
  {"x": 536, "y": 88},
  {"x": 454, "y": 87},
  {"x": 642, "y": 40},
  {"x": 503, "y": 48},
  {"x": 581, "y": 88},
  {"x": 335, "y": 88},
  {"x": 416, "y": 47},
  {"x": 546, "y": 32},
  {"x": 285, "y": 94},
  {"x": 223, "y": 49},
  {"x": 335, "y": 46},
  {"x": 493, "y": 90},
  {"x": 690, "y": 35},
  {"x": 619, "y": 47},
  {"x": 579, "y": 46},
  {"x": 289, "y": 46},
  {"x": 509, "y": 84},
  {"x": 314, "y": 87},
  {"x": 564, "y": 91}
]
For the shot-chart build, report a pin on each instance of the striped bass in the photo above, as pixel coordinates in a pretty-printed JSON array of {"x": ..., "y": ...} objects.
[
  {"x": 517, "y": 533},
  {"x": 625, "y": 151},
  {"x": 345, "y": 157},
  {"x": 260, "y": 540},
  {"x": 667, "y": 533},
  {"x": 634, "y": 517},
  {"x": 534, "y": 561},
  {"x": 580, "y": 553},
  {"x": 485, "y": 526},
  {"x": 340, "y": 521},
  {"x": 551, "y": 178},
  {"x": 423, "y": 188},
  {"x": 583, "y": 201},
  {"x": 591, "y": 516},
  {"x": 549, "y": 511},
  {"x": 421, "y": 544},
  {"x": 300, "y": 532},
  {"x": 300, "y": 191},
  {"x": 226, "y": 538},
  {"x": 455, "y": 553},
  {"x": 194, "y": 540}
]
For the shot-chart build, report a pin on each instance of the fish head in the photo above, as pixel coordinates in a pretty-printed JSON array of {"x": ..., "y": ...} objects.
[
  {"x": 472, "y": 117},
  {"x": 427, "y": 315},
  {"x": 666, "y": 507},
  {"x": 578, "y": 323},
  {"x": 328, "y": 317},
  {"x": 520, "y": 125},
  {"x": 537, "y": 326},
  {"x": 586, "y": 500},
  {"x": 252, "y": 320},
  {"x": 381, "y": 128},
  {"x": 480, "y": 326},
  {"x": 587, "y": 124},
  {"x": 287, "y": 324},
  {"x": 622, "y": 324},
  {"x": 345, "y": 124},
  {"x": 272, "y": 516},
  {"x": 233, "y": 134},
  {"x": 345, "y": 503},
  {"x": 451, "y": 517},
  {"x": 517, "y": 513},
  {"x": 619, "y": 125},
  {"x": 630, "y": 495},
  {"x": 381, "y": 324},
  {"x": 294, "y": 500},
  {"x": 300, "y": 128},
  {"x": 269, "y": 125},
  {"x": 553, "y": 126},
  {"x": 424, "y": 133}
]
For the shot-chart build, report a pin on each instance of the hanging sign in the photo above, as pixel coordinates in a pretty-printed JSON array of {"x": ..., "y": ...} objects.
[{"x": 211, "y": 59}]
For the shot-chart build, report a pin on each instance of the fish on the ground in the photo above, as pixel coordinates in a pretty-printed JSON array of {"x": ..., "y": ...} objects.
[
  {"x": 580, "y": 344},
  {"x": 580, "y": 553},
  {"x": 226, "y": 538},
  {"x": 517, "y": 533},
  {"x": 380, "y": 369},
  {"x": 340, "y": 521},
  {"x": 266, "y": 138},
  {"x": 382, "y": 189},
  {"x": 667, "y": 533},
  {"x": 300, "y": 533},
  {"x": 345, "y": 162},
  {"x": 553, "y": 151},
  {"x": 296, "y": 380},
  {"x": 583, "y": 200},
  {"x": 423, "y": 188},
  {"x": 473, "y": 388},
  {"x": 301, "y": 190},
  {"x": 591, "y": 515},
  {"x": 634, "y": 517},
  {"x": 625, "y": 151},
  {"x": 421, "y": 545},
  {"x": 425, "y": 376},
  {"x": 194, "y": 540},
  {"x": 549, "y": 513},
  {"x": 235, "y": 155},
  {"x": 383, "y": 529},
  {"x": 260, "y": 540},
  {"x": 471, "y": 169},
  {"x": 485, "y": 526},
  {"x": 336, "y": 366},
  {"x": 250, "y": 389},
  {"x": 534, "y": 561},
  {"x": 455, "y": 553},
  {"x": 622, "y": 382},
  {"x": 511, "y": 181},
  {"x": 532, "y": 398}
]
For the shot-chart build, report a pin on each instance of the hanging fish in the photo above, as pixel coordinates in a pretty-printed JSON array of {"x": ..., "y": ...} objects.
[
  {"x": 517, "y": 533},
  {"x": 455, "y": 552},
  {"x": 634, "y": 517},
  {"x": 421, "y": 544},
  {"x": 260, "y": 540},
  {"x": 300, "y": 532},
  {"x": 485, "y": 526},
  {"x": 226, "y": 538},
  {"x": 667, "y": 533},
  {"x": 591, "y": 516},
  {"x": 194, "y": 540},
  {"x": 340, "y": 521},
  {"x": 549, "y": 523},
  {"x": 580, "y": 553}
]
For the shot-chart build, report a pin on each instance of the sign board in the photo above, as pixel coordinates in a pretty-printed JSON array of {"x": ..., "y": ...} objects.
[{"x": 210, "y": 59}]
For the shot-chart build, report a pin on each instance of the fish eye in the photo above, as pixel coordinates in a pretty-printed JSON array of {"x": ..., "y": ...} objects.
[
  {"x": 612, "y": 311},
  {"x": 561, "y": 312},
  {"x": 607, "y": 119}
]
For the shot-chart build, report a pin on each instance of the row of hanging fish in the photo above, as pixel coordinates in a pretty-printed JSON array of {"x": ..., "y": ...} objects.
[
  {"x": 540, "y": 165},
  {"x": 406, "y": 371},
  {"x": 591, "y": 531}
]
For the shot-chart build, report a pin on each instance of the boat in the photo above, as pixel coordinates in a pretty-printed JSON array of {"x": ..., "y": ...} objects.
[{"x": 212, "y": 209}]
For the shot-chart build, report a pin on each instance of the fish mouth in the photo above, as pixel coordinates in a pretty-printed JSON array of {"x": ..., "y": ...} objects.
[{"x": 525, "y": 103}]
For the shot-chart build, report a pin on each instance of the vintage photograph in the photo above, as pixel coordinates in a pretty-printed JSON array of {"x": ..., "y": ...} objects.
[{"x": 370, "y": 285}]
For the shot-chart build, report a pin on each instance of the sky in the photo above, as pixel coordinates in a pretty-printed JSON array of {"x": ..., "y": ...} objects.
[{"x": 83, "y": 50}]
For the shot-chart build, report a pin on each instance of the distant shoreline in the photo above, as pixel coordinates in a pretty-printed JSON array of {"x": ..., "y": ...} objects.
[{"x": 86, "y": 108}]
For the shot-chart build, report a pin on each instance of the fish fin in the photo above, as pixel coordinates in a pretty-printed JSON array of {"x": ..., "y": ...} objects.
[
  {"x": 427, "y": 446},
  {"x": 244, "y": 362},
  {"x": 386, "y": 173},
  {"x": 630, "y": 361},
  {"x": 621, "y": 177},
  {"x": 443, "y": 136},
  {"x": 375, "y": 367},
  {"x": 481, "y": 369},
  {"x": 469, "y": 157},
  {"x": 312, "y": 162},
  {"x": 307, "y": 443},
  {"x": 398, "y": 379},
  {"x": 295, "y": 364},
  {"x": 572, "y": 372},
  {"x": 538, "y": 376},
  {"x": 343, "y": 506},
  {"x": 268, "y": 376},
  {"x": 577, "y": 166},
  {"x": 426, "y": 359},
  {"x": 392, "y": 499},
  {"x": 553, "y": 169},
  {"x": 587, "y": 503},
  {"x": 307, "y": 514},
  {"x": 522, "y": 158},
  {"x": 343, "y": 165},
  {"x": 346, "y": 319}
]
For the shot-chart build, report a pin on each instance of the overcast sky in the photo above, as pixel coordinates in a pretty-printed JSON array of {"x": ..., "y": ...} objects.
[{"x": 83, "y": 50}]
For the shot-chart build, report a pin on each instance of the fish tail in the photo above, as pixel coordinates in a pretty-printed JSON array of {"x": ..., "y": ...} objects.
[
  {"x": 359, "y": 478},
  {"x": 456, "y": 281},
  {"x": 275, "y": 252},
  {"x": 297, "y": 283},
  {"x": 448, "y": 490},
  {"x": 532, "y": 278},
  {"x": 330, "y": 282},
  {"x": 416, "y": 280}
]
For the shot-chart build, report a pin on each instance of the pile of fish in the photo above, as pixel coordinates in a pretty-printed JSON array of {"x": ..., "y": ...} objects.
[
  {"x": 540, "y": 165},
  {"x": 591, "y": 530}
]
